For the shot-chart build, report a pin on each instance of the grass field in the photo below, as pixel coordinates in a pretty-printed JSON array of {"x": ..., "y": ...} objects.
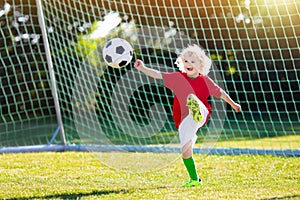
[
  {"x": 282, "y": 142},
  {"x": 77, "y": 175}
]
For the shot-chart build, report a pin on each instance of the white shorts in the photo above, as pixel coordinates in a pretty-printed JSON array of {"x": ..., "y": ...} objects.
[{"x": 188, "y": 127}]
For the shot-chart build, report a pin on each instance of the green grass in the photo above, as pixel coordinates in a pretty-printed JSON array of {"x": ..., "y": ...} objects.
[
  {"x": 77, "y": 175},
  {"x": 281, "y": 142}
]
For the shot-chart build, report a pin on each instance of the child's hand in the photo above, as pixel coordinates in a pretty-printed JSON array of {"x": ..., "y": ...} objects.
[
  {"x": 237, "y": 107},
  {"x": 138, "y": 64}
]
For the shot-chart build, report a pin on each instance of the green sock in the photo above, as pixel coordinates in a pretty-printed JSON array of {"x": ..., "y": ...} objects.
[{"x": 191, "y": 168}]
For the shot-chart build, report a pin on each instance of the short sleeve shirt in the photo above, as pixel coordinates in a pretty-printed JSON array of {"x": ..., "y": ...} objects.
[{"x": 182, "y": 85}]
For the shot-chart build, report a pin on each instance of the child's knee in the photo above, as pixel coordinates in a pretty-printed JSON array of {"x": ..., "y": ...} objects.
[{"x": 187, "y": 150}]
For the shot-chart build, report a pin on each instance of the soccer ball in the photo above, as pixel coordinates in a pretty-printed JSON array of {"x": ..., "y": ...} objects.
[{"x": 117, "y": 53}]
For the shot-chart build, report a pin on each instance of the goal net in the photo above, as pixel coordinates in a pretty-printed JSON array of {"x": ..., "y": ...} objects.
[{"x": 56, "y": 88}]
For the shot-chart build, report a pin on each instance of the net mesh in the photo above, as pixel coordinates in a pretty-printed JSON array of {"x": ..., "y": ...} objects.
[
  {"x": 254, "y": 46},
  {"x": 25, "y": 96}
]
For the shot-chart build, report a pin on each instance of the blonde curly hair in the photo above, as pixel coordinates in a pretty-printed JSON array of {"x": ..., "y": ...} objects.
[{"x": 200, "y": 53}]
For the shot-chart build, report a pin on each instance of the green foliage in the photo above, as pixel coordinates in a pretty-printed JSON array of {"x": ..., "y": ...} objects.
[
  {"x": 86, "y": 49},
  {"x": 86, "y": 46}
]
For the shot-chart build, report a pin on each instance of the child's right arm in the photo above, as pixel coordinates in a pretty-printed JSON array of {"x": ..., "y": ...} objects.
[{"x": 139, "y": 65}]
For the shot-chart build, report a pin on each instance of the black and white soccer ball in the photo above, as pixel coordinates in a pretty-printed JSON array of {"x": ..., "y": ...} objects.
[{"x": 117, "y": 52}]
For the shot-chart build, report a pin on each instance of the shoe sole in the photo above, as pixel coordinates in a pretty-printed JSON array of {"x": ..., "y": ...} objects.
[{"x": 194, "y": 109}]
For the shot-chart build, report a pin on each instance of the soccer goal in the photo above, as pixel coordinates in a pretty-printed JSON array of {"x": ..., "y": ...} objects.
[{"x": 58, "y": 94}]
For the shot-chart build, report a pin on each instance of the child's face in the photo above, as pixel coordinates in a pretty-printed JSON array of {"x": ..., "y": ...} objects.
[{"x": 191, "y": 64}]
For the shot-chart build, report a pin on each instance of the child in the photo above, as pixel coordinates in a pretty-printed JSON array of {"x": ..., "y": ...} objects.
[{"x": 191, "y": 110}]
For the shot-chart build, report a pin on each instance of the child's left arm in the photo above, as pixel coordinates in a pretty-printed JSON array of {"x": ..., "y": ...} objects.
[{"x": 234, "y": 105}]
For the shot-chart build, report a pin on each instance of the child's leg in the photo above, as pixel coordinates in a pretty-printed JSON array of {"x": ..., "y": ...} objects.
[
  {"x": 187, "y": 135},
  {"x": 187, "y": 131},
  {"x": 188, "y": 160}
]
